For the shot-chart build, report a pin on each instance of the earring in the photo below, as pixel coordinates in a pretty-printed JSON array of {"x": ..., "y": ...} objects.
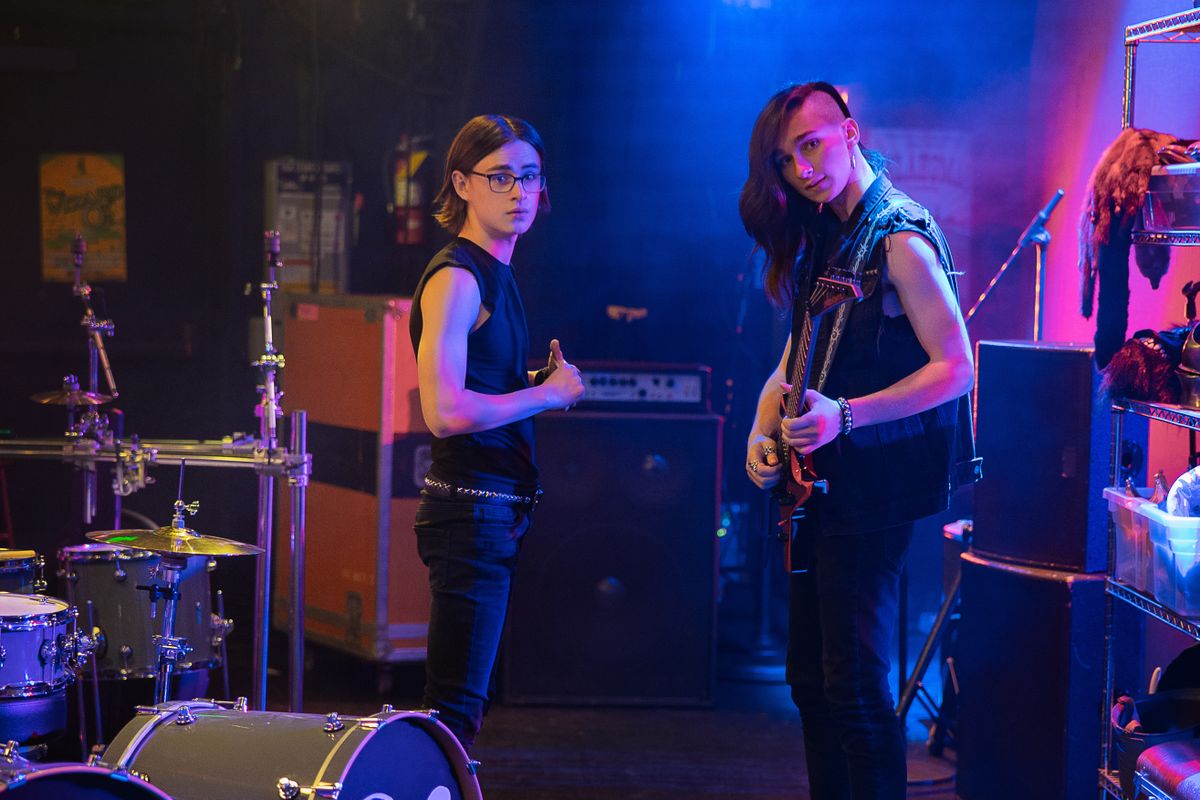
[{"x": 853, "y": 161}]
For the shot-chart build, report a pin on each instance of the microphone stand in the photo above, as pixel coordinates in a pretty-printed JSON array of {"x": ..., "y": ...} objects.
[{"x": 1037, "y": 235}]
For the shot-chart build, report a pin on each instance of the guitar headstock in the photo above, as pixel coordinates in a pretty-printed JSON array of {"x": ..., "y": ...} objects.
[{"x": 833, "y": 289}]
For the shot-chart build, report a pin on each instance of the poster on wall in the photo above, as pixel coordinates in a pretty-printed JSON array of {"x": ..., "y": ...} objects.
[{"x": 83, "y": 193}]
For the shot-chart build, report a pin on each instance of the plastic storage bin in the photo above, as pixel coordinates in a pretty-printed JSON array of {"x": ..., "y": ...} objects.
[
  {"x": 1176, "y": 558},
  {"x": 1134, "y": 553}
]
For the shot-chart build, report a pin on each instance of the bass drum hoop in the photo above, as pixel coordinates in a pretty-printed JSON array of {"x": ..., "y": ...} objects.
[
  {"x": 15, "y": 781},
  {"x": 165, "y": 713},
  {"x": 462, "y": 766}
]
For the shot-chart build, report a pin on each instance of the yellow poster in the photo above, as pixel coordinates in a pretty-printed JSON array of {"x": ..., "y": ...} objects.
[{"x": 83, "y": 193}]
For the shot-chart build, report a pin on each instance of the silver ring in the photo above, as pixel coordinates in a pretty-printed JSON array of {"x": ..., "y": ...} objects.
[
  {"x": 753, "y": 466},
  {"x": 768, "y": 448}
]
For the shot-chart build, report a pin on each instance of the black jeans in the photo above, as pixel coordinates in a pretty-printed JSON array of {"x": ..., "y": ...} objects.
[
  {"x": 471, "y": 551},
  {"x": 843, "y": 618}
]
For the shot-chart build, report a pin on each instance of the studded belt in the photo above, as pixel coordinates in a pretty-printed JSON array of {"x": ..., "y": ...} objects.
[{"x": 440, "y": 488}]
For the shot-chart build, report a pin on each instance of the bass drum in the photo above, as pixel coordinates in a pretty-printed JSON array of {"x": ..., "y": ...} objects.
[
  {"x": 74, "y": 782},
  {"x": 208, "y": 750}
]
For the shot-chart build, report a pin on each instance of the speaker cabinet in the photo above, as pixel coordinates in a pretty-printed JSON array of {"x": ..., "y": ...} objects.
[
  {"x": 614, "y": 600},
  {"x": 1031, "y": 677},
  {"x": 1045, "y": 437}
]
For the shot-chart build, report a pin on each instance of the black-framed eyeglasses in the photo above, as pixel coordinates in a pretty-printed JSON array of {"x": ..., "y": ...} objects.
[{"x": 503, "y": 182}]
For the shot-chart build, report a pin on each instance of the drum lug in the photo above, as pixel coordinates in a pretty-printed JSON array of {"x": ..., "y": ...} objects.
[
  {"x": 48, "y": 652},
  {"x": 387, "y": 708},
  {"x": 3, "y": 655},
  {"x": 241, "y": 704},
  {"x": 220, "y": 629},
  {"x": 126, "y": 771},
  {"x": 119, "y": 574},
  {"x": 333, "y": 723},
  {"x": 126, "y": 653},
  {"x": 99, "y": 641},
  {"x": 81, "y": 647},
  {"x": 473, "y": 766},
  {"x": 184, "y": 716},
  {"x": 288, "y": 789}
]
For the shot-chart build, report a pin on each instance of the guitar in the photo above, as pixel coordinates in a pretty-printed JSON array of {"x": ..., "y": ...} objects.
[{"x": 799, "y": 482}]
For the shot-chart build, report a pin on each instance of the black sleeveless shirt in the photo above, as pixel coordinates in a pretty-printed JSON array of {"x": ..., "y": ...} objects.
[
  {"x": 892, "y": 472},
  {"x": 500, "y": 458}
]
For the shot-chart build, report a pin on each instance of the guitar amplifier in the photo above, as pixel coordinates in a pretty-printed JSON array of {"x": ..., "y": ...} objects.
[{"x": 641, "y": 388}]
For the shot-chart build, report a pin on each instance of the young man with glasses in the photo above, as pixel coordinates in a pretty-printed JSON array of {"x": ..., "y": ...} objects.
[
  {"x": 898, "y": 362},
  {"x": 472, "y": 344}
]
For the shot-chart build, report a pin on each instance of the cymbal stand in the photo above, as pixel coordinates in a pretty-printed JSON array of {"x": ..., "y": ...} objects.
[
  {"x": 93, "y": 424},
  {"x": 267, "y": 411},
  {"x": 170, "y": 648},
  {"x": 226, "y": 627},
  {"x": 93, "y": 632}
]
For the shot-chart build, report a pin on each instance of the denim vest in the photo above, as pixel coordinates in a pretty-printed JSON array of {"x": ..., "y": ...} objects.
[{"x": 892, "y": 472}]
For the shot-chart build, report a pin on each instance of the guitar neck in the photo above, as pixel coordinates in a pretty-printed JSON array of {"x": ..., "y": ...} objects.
[{"x": 802, "y": 368}]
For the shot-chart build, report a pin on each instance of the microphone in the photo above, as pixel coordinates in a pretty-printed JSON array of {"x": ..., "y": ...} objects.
[{"x": 1037, "y": 226}]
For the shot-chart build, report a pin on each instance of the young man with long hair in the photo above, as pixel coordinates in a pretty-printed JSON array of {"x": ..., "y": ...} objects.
[
  {"x": 472, "y": 344},
  {"x": 878, "y": 419}
]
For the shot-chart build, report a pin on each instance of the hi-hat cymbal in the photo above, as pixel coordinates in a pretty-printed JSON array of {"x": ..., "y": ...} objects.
[
  {"x": 70, "y": 397},
  {"x": 175, "y": 541}
]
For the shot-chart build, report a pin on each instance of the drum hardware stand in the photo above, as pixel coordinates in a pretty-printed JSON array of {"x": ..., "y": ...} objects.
[
  {"x": 77, "y": 648},
  {"x": 944, "y": 629},
  {"x": 263, "y": 455},
  {"x": 298, "y": 484},
  {"x": 914, "y": 688},
  {"x": 94, "y": 425},
  {"x": 98, "y": 642},
  {"x": 225, "y": 627},
  {"x": 170, "y": 648},
  {"x": 268, "y": 412}
]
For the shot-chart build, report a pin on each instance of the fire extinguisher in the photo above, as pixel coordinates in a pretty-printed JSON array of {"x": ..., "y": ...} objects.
[{"x": 410, "y": 188}]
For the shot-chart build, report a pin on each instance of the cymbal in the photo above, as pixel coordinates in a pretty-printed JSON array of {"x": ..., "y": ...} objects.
[
  {"x": 70, "y": 397},
  {"x": 175, "y": 541}
]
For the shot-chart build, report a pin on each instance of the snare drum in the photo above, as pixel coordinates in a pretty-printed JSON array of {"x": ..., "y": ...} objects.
[
  {"x": 205, "y": 750},
  {"x": 21, "y": 571},
  {"x": 37, "y": 644},
  {"x": 63, "y": 781},
  {"x": 124, "y": 626}
]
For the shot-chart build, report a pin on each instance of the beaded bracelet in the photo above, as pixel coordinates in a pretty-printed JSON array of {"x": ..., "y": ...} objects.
[{"x": 847, "y": 415}]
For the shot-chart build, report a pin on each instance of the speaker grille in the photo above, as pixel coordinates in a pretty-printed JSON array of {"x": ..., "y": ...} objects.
[{"x": 614, "y": 599}]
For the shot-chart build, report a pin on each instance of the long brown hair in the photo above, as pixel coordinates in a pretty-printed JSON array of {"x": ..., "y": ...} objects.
[
  {"x": 780, "y": 221},
  {"x": 477, "y": 139}
]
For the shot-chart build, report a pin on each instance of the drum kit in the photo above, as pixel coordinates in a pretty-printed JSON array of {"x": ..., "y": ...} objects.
[{"x": 147, "y": 613}]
